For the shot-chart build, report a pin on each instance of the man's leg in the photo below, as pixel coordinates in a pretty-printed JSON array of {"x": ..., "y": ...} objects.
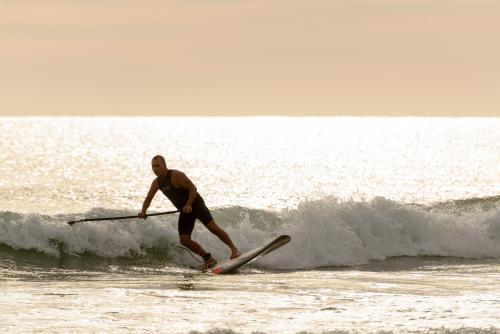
[
  {"x": 185, "y": 240},
  {"x": 185, "y": 226},
  {"x": 222, "y": 235}
]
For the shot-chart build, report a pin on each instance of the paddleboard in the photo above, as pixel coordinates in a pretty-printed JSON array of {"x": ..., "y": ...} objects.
[{"x": 231, "y": 265}]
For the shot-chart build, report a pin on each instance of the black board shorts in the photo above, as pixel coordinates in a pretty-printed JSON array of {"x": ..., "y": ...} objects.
[{"x": 187, "y": 220}]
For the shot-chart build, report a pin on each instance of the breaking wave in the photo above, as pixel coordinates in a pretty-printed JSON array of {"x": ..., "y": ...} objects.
[{"x": 326, "y": 232}]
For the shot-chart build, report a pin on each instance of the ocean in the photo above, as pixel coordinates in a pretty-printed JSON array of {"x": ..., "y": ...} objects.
[{"x": 395, "y": 225}]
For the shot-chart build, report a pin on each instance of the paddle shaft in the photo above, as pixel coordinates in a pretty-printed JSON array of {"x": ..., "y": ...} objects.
[{"x": 122, "y": 217}]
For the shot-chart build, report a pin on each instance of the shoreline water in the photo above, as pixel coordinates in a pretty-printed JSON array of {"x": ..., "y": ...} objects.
[{"x": 416, "y": 297}]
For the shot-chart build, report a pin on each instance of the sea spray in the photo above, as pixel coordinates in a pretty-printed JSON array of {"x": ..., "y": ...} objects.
[{"x": 326, "y": 232}]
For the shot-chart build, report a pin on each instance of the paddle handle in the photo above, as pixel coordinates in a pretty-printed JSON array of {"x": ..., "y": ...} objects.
[{"x": 122, "y": 217}]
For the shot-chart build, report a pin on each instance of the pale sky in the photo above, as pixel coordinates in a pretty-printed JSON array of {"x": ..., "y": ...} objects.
[{"x": 250, "y": 57}]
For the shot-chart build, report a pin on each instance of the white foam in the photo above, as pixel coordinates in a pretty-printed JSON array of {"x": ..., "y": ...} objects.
[
  {"x": 107, "y": 239},
  {"x": 327, "y": 232}
]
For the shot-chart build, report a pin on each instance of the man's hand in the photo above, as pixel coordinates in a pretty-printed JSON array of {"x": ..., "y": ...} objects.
[
  {"x": 142, "y": 215},
  {"x": 187, "y": 209}
]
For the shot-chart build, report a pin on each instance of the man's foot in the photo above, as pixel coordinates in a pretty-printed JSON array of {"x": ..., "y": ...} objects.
[
  {"x": 234, "y": 254},
  {"x": 210, "y": 263}
]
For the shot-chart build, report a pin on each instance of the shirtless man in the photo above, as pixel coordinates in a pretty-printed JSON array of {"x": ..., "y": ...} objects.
[{"x": 184, "y": 196}]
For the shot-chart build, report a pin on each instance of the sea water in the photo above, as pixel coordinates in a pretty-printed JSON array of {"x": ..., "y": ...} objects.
[{"x": 395, "y": 225}]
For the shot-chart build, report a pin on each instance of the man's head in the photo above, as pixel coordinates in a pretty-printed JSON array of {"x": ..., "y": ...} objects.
[{"x": 159, "y": 166}]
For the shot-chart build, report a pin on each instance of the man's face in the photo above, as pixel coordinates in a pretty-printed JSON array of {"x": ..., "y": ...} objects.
[{"x": 159, "y": 167}]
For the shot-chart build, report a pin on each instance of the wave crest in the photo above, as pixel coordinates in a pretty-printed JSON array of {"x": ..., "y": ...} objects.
[{"x": 326, "y": 232}]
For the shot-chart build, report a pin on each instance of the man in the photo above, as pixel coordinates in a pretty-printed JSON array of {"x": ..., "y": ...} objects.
[{"x": 184, "y": 196}]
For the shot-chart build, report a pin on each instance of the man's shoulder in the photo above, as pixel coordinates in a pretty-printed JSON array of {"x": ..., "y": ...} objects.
[
  {"x": 176, "y": 172},
  {"x": 178, "y": 178}
]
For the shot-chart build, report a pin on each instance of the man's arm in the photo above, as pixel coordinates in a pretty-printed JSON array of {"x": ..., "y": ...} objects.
[
  {"x": 147, "y": 202},
  {"x": 180, "y": 179}
]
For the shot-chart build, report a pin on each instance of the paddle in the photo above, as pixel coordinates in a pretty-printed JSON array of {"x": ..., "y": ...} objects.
[{"x": 122, "y": 217}]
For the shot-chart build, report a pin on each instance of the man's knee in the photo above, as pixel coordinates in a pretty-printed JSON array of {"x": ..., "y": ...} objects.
[
  {"x": 185, "y": 239},
  {"x": 213, "y": 227}
]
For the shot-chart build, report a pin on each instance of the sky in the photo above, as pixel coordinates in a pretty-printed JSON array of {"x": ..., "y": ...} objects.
[{"x": 250, "y": 57}]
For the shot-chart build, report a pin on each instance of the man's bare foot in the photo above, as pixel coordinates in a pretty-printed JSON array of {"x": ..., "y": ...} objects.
[
  {"x": 210, "y": 263},
  {"x": 234, "y": 254}
]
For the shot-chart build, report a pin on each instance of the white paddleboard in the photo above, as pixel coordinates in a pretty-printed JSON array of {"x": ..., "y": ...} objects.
[{"x": 230, "y": 265}]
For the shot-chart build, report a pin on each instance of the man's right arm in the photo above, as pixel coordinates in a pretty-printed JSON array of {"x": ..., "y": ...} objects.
[{"x": 147, "y": 202}]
